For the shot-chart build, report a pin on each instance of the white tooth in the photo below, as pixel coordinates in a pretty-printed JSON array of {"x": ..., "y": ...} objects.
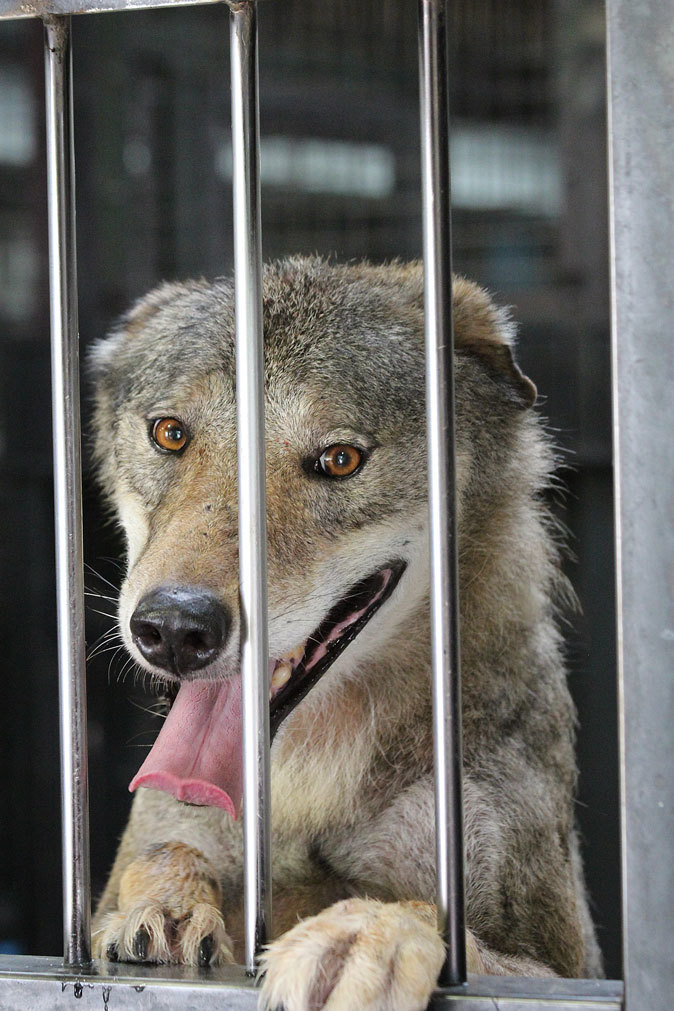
[{"x": 281, "y": 675}]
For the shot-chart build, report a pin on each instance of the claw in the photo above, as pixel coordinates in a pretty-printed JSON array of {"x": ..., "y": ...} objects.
[
  {"x": 140, "y": 945},
  {"x": 206, "y": 951}
]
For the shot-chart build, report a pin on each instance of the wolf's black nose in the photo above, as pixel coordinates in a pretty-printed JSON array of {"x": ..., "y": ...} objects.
[{"x": 180, "y": 629}]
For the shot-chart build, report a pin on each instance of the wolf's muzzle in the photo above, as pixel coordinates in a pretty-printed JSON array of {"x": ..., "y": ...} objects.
[{"x": 180, "y": 629}]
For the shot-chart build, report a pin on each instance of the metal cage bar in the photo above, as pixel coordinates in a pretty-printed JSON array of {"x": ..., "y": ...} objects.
[
  {"x": 641, "y": 139},
  {"x": 67, "y": 490},
  {"x": 446, "y": 675},
  {"x": 251, "y": 474}
]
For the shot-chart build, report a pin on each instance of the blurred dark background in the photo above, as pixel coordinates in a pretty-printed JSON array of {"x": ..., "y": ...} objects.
[{"x": 340, "y": 172}]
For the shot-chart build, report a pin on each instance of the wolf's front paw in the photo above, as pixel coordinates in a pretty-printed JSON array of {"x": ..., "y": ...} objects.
[
  {"x": 359, "y": 953},
  {"x": 168, "y": 911}
]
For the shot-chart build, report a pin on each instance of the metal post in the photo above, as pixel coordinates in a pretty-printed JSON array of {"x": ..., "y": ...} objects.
[
  {"x": 641, "y": 138},
  {"x": 442, "y": 484},
  {"x": 252, "y": 498},
  {"x": 67, "y": 491}
]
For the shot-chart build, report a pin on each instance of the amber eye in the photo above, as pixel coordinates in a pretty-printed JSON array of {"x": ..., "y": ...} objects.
[
  {"x": 169, "y": 434},
  {"x": 340, "y": 460}
]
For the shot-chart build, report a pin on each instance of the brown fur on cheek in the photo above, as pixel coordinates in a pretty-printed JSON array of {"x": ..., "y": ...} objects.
[{"x": 193, "y": 534}]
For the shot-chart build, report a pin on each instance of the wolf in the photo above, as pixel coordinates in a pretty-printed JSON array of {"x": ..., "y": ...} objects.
[{"x": 354, "y": 923}]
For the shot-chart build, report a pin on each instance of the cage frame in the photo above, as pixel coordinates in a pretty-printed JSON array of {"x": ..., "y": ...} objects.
[{"x": 640, "y": 95}]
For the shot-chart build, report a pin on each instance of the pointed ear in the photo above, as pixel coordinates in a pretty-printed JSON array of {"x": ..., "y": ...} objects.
[
  {"x": 104, "y": 352},
  {"x": 142, "y": 311},
  {"x": 486, "y": 331}
]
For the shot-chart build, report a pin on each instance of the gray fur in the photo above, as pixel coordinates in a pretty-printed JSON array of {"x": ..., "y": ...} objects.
[{"x": 352, "y": 767}]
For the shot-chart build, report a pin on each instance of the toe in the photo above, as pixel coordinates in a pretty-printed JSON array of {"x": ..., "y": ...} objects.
[
  {"x": 205, "y": 951},
  {"x": 112, "y": 952},
  {"x": 202, "y": 939},
  {"x": 145, "y": 935},
  {"x": 141, "y": 945}
]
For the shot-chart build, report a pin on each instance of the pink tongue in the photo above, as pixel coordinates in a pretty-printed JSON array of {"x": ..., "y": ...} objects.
[{"x": 197, "y": 756}]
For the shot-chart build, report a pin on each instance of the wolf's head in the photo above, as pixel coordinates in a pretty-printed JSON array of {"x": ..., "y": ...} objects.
[{"x": 346, "y": 485}]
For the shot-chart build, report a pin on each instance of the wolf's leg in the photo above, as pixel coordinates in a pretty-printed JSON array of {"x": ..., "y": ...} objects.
[
  {"x": 509, "y": 852},
  {"x": 163, "y": 902},
  {"x": 359, "y": 953},
  {"x": 167, "y": 910},
  {"x": 376, "y": 956}
]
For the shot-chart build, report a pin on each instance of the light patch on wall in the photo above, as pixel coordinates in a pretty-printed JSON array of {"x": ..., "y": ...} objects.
[
  {"x": 18, "y": 139},
  {"x": 501, "y": 167},
  {"x": 19, "y": 271},
  {"x": 137, "y": 157},
  {"x": 320, "y": 166}
]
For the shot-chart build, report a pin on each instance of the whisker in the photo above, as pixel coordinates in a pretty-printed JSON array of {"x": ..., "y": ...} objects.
[
  {"x": 104, "y": 614},
  {"x": 100, "y": 576},
  {"x": 101, "y": 649},
  {"x": 117, "y": 562},
  {"x": 130, "y": 744},
  {"x": 109, "y": 633},
  {"x": 158, "y": 709},
  {"x": 101, "y": 596},
  {"x": 312, "y": 597},
  {"x": 125, "y": 668}
]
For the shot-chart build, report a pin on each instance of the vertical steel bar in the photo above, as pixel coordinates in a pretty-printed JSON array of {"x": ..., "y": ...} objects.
[
  {"x": 252, "y": 497},
  {"x": 442, "y": 484},
  {"x": 67, "y": 490},
  {"x": 640, "y": 44}
]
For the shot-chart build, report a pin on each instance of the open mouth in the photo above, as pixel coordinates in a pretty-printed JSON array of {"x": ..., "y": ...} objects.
[
  {"x": 292, "y": 677},
  {"x": 197, "y": 756}
]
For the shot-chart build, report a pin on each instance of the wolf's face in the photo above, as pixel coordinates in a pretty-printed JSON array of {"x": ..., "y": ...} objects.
[{"x": 345, "y": 466}]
